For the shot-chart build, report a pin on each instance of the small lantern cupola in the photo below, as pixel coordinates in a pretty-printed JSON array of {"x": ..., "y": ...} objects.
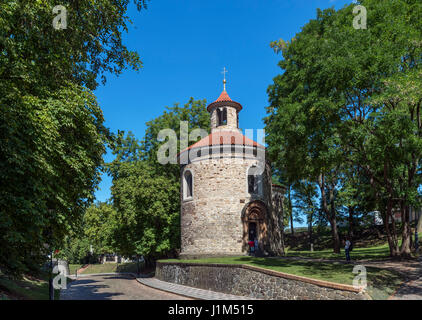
[{"x": 224, "y": 111}]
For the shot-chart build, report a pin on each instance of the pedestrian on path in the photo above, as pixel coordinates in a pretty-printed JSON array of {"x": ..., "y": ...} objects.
[
  {"x": 347, "y": 249},
  {"x": 256, "y": 245},
  {"x": 251, "y": 247}
]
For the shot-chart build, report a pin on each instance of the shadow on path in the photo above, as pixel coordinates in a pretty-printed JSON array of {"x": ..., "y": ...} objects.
[
  {"x": 112, "y": 287},
  {"x": 88, "y": 289}
]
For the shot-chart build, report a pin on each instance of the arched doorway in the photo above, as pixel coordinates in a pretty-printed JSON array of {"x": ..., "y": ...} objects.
[
  {"x": 252, "y": 231},
  {"x": 254, "y": 223}
]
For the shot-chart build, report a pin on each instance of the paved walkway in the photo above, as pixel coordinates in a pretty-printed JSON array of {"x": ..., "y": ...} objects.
[
  {"x": 412, "y": 269},
  {"x": 119, "y": 286},
  {"x": 189, "y": 291},
  {"x": 113, "y": 287},
  {"x": 411, "y": 289}
]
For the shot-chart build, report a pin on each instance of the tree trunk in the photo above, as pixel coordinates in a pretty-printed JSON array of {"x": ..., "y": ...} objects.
[
  {"x": 291, "y": 214},
  {"x": 406, "y": 232},
  {"x": 330, "y": 213},
  {"x": 419, "y": 225},
  {"x": 283, "y": 249},
  {"x": 291, "y": 224},
  {"x": 280, "y": 209},
  {"x": 336, "y": 238},
  {"x": 378, "y": 231},
  {"x": 351, "y": 226},
  {"x": 391, "y": 234},
  {"x": 333, "y": 222},
  {"x": 311, "y": 240}
]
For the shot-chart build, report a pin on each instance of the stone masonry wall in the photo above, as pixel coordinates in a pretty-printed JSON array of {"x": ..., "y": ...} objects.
[
  {"x": 211, "y": 221},
  {"x": 231, "y": 118},
  {"x": 247, "y": 281}
]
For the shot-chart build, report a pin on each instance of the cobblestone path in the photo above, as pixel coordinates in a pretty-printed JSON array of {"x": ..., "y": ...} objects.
[{"x": 113, "y": 287}]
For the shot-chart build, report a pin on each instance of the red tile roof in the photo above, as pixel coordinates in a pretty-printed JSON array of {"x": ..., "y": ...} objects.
[
  {"x": 225, "y": 138},
  {"x": 224, "y": 100},
  {"x": 223, "y": 97}
]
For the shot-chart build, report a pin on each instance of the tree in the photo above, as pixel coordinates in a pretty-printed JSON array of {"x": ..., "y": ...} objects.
[
  {"x": 193, "y": 112},
  {"x": 354, "y": 198},
  {"x": 289, "y": 208},
  {"x": 147, "y": 207},
  {"x": 51, "y": 154},
  {"x": 145, "y": 193},
  {"x": 75, "y": 250},
  {"x": 350, "y": 98},
  {"x": 52, "y": 135},
  {"x": 100, "y": 227},
  {"x": 37, "y": 56},
  {"x": 305, "y": 195}
]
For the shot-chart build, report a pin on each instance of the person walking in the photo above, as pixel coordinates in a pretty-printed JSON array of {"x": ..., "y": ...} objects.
[
  {"x": 347, "y": 249},
  {"x": 251, "y": 247},
  {"x": 256, "y": 245}
]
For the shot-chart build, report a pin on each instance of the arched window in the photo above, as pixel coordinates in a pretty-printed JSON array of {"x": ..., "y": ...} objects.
[
  {"x": 254, "y": 181},
  {"x": 187, "y": 185},
  {"x": 224, "y": 122},
  {"x": 252, "y": 186},
  {"x": 221, "y": 117}
]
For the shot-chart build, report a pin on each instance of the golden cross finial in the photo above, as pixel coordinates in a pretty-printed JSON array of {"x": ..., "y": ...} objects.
[{"x": 224, "y": 80}]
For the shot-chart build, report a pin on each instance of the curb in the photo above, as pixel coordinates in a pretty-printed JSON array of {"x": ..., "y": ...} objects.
[
  {"x": 201, "y": 294},
  {"x": 149, "y": 286}
]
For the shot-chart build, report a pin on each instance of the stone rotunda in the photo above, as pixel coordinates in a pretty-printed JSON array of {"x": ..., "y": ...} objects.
[{"x": 227, "y": 197}]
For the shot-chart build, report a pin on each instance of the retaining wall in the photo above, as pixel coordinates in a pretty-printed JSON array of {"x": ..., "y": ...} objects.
[{"x": 254, "y": 282}]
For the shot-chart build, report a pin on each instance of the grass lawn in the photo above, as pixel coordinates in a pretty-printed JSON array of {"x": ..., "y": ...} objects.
[
  {"x": 74, "y": 267},
  {"x": 369, "y": 253},
  {"x": 111, "y": 267},
  {"x": 381, "y": 282},
  {"x": 28, "y": 288}
]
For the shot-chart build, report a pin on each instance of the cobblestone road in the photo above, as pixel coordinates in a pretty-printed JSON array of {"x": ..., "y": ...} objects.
[{"x": 113, "y": 287}]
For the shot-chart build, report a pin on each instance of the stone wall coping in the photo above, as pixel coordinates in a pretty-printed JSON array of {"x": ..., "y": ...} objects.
[{"x": 320, "y": 283}]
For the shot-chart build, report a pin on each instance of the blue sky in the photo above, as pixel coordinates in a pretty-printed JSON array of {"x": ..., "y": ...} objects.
[{"x": 184, "y": 46}]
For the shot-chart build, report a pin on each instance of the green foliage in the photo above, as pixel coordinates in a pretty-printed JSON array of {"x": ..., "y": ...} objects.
[
  {"x": 193, "y": 112},
  {"x": 305, "y": 199},
  {"x": 100, "y": 224},
  {"x": 47, "y": 146},
  {"x": 350, "y": 100},
  {"x": 52, "y": 136},
  {"x": 35, "y": 56},
  {"x": 147, "y": 211},
  {"x": 96, "y": 232},
  {"x": 145, "y": 193},
  {"x": 27, "y": 287},
  {"x": 75, "y": 250}
]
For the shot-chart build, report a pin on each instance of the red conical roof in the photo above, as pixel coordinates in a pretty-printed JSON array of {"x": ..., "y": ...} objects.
[
  {"x": 224, "y": 100},
  {"x": 224, "y": 138},
  {"x": 223, "y": 97}
]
